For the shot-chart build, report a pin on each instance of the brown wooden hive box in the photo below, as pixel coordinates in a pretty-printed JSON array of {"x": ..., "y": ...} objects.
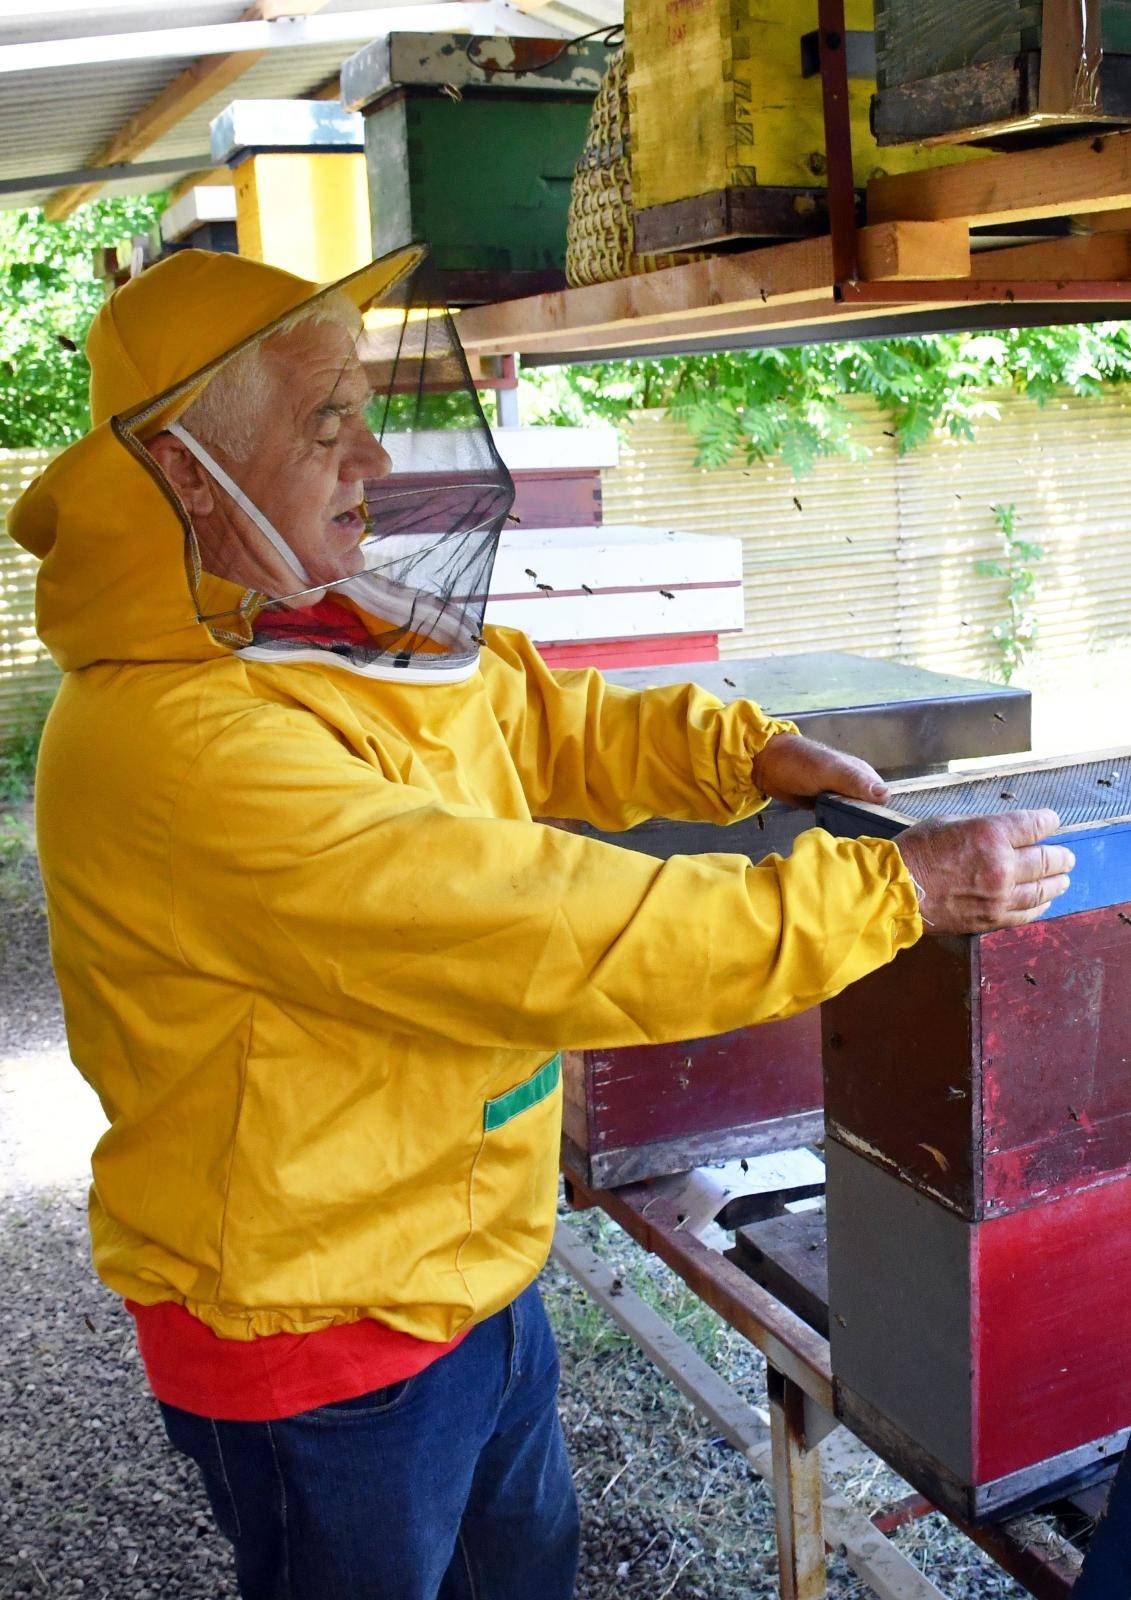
[
  {"x": 978, "y": 1149},
  {"x": 641, "y": 1112}
]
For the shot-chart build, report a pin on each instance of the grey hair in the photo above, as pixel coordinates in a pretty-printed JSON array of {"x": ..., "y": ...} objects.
[{"x": 229, "y": 410}]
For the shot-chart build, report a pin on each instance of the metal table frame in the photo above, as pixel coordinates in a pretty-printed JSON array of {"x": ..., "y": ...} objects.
[{"x": 802, "y": 1406}]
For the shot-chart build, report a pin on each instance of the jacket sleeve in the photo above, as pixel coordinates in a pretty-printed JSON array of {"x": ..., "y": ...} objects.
[
  {"x": 590, "y": 751},
  {"x": 299, "y": 871}
]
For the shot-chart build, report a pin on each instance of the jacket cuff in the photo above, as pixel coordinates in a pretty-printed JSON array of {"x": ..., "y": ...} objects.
[
  {"x": 901, "y": 899},
  {"x": 757, "y": 738}
]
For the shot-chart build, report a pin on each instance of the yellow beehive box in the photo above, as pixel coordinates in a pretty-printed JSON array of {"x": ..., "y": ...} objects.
[
  {"x": 302, "y": 195},
  {"x": 308, "y": 213},
  {"x": 717, "y": 100}
]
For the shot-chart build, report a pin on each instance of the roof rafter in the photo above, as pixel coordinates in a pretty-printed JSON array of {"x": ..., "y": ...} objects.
[{"x": 189, "y": 89}]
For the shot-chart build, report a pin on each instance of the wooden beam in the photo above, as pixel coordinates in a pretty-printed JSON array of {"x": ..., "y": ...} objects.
[
  {"x": 189, "y": 89},
  {"x": 1103, "y": 222},
  {"x": 759, "y": 282},
  {"x": 656, "y": 338},
  {"x": 1082, "y": 176},
  {"x": 1101, "y": 256}
]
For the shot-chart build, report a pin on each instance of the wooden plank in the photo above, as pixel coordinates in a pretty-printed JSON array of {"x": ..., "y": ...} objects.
[
  {"x": 1070, "y": 58},
  {"x": 1083, "y": 175},
  {"x": 1103, "y": 255},
  {"x": 758, "y": 281},
  {"x": 648, "y": 1213},
  {"x": 191, "y": 88},
  {"x": 1103, "y": 222},
  {"x": 789, "y": 1257},
  {"x": 802, "y": 1574}
]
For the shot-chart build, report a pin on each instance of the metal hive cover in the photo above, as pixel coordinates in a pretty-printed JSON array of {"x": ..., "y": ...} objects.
[{"x": 1081, "y": 792}]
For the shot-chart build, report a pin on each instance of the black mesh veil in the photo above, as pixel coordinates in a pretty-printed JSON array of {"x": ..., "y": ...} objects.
[{"x": 338, "y": 467}]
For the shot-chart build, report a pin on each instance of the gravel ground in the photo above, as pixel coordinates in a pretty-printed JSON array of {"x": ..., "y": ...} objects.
[{"x": 93, "y": 1503}]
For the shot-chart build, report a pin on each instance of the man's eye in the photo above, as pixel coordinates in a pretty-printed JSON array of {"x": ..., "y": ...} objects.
[{"x": 327, "y": 444}]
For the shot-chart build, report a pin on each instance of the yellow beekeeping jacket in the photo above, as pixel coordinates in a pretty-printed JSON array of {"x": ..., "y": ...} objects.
[{"x": 316, "y": 957}]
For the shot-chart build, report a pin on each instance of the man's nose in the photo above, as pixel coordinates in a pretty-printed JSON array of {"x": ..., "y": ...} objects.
[{"x": 364, "y": 457}]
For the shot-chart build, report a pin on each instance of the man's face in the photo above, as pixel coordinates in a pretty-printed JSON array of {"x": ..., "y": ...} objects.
[
  {"x": 305, "y": 473},
  {"x": 308, "y": 469}
]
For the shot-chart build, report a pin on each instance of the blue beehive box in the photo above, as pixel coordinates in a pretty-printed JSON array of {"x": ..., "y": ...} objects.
[{"x": 1090, "y": 793}]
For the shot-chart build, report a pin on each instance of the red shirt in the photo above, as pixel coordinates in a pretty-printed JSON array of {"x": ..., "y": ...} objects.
[{"x": 276, "y": 1376}]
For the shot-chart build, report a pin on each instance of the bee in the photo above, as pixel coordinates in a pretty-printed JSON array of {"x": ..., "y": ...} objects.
[
  {"x": 530, "y": 573},
  {"x": 730, "y": 683},
  {"x": 667, "y": 594},
  {"x": 546, "y": 588},
  {"x": 585, "y": 589},
  {"x": 798, "y": 504},
  {"x": 452, "y": 91}
]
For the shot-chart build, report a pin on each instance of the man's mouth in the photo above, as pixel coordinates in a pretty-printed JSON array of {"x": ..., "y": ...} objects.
[{"x": 350, "y": 521}]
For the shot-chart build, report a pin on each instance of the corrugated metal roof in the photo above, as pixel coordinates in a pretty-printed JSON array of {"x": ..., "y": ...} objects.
[{"x": 54, "y": 120}]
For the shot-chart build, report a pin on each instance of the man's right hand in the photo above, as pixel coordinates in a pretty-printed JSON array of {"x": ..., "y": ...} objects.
[{"x": 986, "y": 872}]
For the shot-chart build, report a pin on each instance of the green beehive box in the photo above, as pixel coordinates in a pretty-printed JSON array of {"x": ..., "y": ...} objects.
[
  {"x": 470, "y": 144},
  {"x": 1000, "y": 72}
]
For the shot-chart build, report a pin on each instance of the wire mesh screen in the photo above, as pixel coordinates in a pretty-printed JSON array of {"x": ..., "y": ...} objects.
[{"x": 1088, "y": 791}]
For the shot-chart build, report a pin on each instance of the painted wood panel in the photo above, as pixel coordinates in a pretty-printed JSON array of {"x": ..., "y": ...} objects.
[
  {"x": 991, "y": 1073},
  {"x": 918, "y": 39},
  {"x": 1052, "y": 1328},
  {"x": 986, "y": 1361}
]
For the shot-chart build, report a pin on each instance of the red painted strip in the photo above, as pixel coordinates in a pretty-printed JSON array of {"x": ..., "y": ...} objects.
[
  {"x": 655, "y": 651},
  {"x": 1052, "y": 1331}
]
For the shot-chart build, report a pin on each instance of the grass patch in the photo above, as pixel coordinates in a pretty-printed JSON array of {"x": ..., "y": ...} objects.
[{"x": 19, "y": 750}]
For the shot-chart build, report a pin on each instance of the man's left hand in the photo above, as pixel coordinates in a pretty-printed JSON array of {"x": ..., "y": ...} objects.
[{"x": 796, "y": 770}]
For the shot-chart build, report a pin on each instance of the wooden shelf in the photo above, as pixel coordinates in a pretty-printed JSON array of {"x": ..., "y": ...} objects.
[{"x": 919, "y": 230}]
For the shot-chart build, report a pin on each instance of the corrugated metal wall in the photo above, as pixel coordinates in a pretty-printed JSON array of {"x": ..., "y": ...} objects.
[
  {"x": 26, "y": 670},
  {"x": 879, "y": 556}
]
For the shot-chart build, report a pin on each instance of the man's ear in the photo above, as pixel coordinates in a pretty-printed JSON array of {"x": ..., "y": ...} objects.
[{"x": 184, "y": 472}]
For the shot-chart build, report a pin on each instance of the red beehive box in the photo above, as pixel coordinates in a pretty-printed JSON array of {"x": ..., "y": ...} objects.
[{"x": 978, "y": 1114}]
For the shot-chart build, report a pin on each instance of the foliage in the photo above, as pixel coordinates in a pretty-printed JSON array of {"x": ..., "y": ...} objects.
[
  {"x": 50, "y": 295},
  {"x": 792, "y": 403},
  {"x": 1016, "y": 634},
  {"x": 19, "y": 750}
]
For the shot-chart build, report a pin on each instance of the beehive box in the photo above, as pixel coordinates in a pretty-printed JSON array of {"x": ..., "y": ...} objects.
[
  {"x": 470, "y": 143},
  {"x": 978, "y": 1140},
  {"x": 1000, "y": 71},
  {"x": 725, "y": 128}
]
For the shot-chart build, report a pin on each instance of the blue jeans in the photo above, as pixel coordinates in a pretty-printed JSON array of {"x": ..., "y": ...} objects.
[
  {"x": 1107, "y": 1569},
  {"x": 453, "y": 1485}
]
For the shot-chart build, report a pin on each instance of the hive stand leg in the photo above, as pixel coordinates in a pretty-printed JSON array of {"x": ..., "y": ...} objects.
[{"x": 797, "y": 1495}]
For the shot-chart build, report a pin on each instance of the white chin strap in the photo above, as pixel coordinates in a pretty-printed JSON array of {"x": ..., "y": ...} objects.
[{"x": 248, "y": 507}]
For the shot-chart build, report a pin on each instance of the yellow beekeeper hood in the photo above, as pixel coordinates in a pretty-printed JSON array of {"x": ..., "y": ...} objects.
[{"x": 122, "y": 575}]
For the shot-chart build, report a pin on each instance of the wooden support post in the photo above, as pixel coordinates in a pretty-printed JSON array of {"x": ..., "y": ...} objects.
[{"x": 797, "y": 1495}]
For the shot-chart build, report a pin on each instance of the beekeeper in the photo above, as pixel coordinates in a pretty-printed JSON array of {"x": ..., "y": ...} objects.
[{"x": 316, "y": 956}]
